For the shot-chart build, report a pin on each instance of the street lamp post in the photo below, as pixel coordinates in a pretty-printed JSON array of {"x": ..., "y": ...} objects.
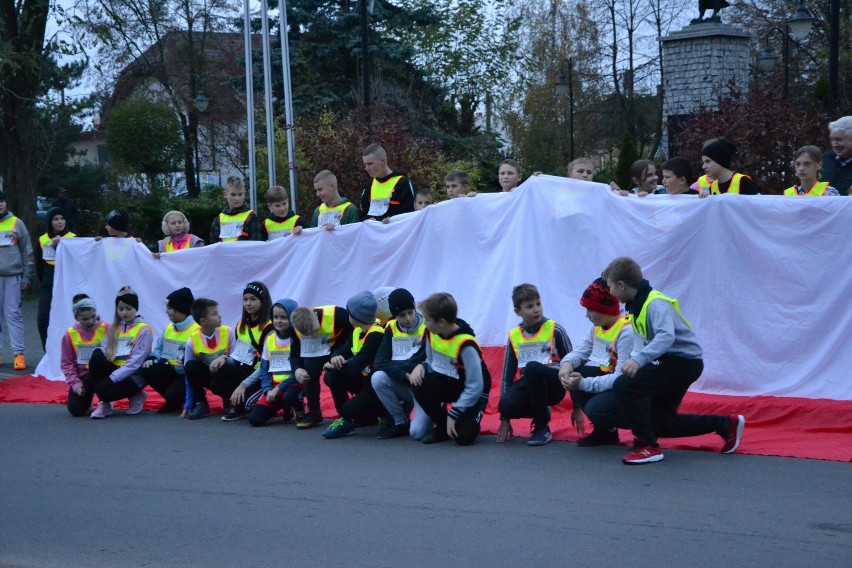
[
  {"x": 799, "y": 26},
  {"x": 200, "y": 103},
  {"x": 565, "y": 85}
]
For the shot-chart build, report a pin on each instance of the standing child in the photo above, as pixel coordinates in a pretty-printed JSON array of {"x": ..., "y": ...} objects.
[
  {"x": 389, "y": 193},
  {"x": 281, "y": 220},
  {"x": 175, "y": 227},
  {"x": 666, "y": 360},
  {"x": 76, "y": 349},
  {"x": 115, "y": 369},
  {"x": 236, "y": 222},
  {"x": 808, "y": 162},
  {"x": 163, "y": 370},
  {"x": 581, "y": 168},
  {"x": 16, "y": 273},
  {"x": 279, "y": 389},
  {"x": 423, "y": 199},
  {"x": 716, "y": 160},
  {"x": 677, "y": 176},
  {"x": 57, "y": 229},
  {"x": 317, "y": 333},
  {"x": 589, "y": 371},
  {"x": 509, "y": 175},
  {"x": 396, "y": 357},
  {"x": 530, "y": 367},
  {"x": 453, "y": 372},
  {"x": 457, "y": 184},
  {"x": 351, "y": 366},
  {"x": 334, "y": 209}
]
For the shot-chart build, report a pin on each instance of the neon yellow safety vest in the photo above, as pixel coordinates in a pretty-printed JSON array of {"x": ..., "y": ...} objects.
[
  {"x": 704, "y": 182},
  {"x": 278, "y": 229},
  {"x": 174, "y": 343},
  {"x": 248, "y": 334},
  {"x": 7, "y": 231},
  {"x": 278, "y": 351},
  {"x": 169, "y": 245},
  {"x": 405, "y": 345},
  {"x": 44, "y": 240},
  {"x": 322, "y": 340},
  {"x": 207, "y": 354},
  {"x": 239, "y": 218},
  {"x": 130, "y": 336},
  {"x": 733, "y": 188},
  {"x": 358, "y": 343},
  {"x": 538, "y": 348},
  {"x": 380, "y": 193},
  {"x": 817, "y": 189},
  {"x": 445, "y": 353},
  {"x": 640, "y": 324},
  {"x": 331, "y": 215},
  {"x": 608, "y": 337},
  {"x": 83, "y": 348}
]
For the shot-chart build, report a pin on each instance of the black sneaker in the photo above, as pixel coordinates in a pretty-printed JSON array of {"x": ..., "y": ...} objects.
[
  {"x": 392, "y": 431},
  {"x": 599, "y": 438},
  {"x": 309, "y": 420},
  {"x": 234, "y": 413},
  {"x": 436, "y": 436},
  {"x": 200, "y": 410}
]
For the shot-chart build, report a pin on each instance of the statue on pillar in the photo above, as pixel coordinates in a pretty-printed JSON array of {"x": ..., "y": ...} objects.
[{"x": 715, "y": 5}]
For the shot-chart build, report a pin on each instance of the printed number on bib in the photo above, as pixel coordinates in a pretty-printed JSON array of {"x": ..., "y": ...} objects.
[
  {"x": 173, "y": 350},
  {"x": 231, "y": 230},
  {"x": 315, "y": 347},
  {"x": 124, "y": 346},
  {"x": 274, "y": 235},
  {"x": 538, "y": 352},
  {"x": 244, "y": 352},
  {"x": 444, "y": 365},
  {"x": 378, "y": 207},
  {"x": 6, "y": 239},
  {"x": 48, "y": 253},
  {"x": 84, "y": 353},
  {"x": 279, "y": 362},
  {"x": 329, "y": 218},
  {"x": 404, "y": 347},
  {"x": 600, "y": 354}
]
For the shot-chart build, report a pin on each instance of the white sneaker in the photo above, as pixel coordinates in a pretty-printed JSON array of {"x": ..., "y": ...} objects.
[
  {"x": 136, "y": 402},
  {"x": 103, "y": 410}
]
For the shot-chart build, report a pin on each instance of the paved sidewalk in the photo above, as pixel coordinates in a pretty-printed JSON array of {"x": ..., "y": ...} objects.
[{"x": 32, "y": 343}]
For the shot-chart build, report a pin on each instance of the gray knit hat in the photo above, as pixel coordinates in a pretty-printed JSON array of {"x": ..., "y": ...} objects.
[{"x": 363, "y": 306}]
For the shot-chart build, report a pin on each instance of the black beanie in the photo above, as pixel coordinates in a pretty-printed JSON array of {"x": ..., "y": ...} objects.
[
  {"x": 128, "y": 298},
  {"x": 400, "y": 300},
  {"x": 181, "y": 300},
  {"x": 721, "y": 152},
  {"x": 118, "y": 220}
]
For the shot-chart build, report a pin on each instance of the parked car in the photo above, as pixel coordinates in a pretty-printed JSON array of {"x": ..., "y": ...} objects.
[{"x": 42, "y": 207}]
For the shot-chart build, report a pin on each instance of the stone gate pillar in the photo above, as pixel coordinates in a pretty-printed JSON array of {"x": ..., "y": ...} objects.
[{"x": 699, "y": 63}]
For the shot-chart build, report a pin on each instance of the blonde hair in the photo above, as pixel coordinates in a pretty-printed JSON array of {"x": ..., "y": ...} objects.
[
  {"x": 580, "y": 161},
  {"x": 304, "y": 320},
  {"x": 165, "y": 225},
  {"x": 275, "y": 194},
  {"x": 325, "y": 176}
]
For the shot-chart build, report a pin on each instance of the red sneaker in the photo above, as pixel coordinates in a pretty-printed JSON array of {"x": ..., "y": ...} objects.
[
  {"x": 733, "y": 434},
  {"x": 643, "y": 453}
]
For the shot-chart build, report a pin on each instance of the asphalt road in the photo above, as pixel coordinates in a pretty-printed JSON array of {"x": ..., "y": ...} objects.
[{"x": 152, "y": 490}]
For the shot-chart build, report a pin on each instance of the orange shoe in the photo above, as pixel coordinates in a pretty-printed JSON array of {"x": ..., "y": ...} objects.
[{"x": 20, "y": 363}]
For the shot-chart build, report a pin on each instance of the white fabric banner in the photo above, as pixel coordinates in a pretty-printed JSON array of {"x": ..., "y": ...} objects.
[{"x": 761, "y": 278}]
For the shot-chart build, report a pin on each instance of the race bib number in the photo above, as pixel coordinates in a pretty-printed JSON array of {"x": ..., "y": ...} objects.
[
  {"x": 404, "y": 347},
  {"x": 538, "y": 352},
  {"x": 329, "y": 218},
  {"x": 444, "y": 365},
  {"x": 378, "y": 207},
  {"x": 600, "y": 354},
  {"x": 279, "y": 362},
  {"x": 6, "y": 239},
  {"x": 84, "y": 353},
  {"x": 231, "y": 230},
  {"x": 48, "y": 253},
  {"x": 275, "y": 235},
  {"x": 173, "y": 350},
  {"x": 315, "y": 346},
  {"x": 244, "y": 352},
  {"x": 125, "y": 344}
]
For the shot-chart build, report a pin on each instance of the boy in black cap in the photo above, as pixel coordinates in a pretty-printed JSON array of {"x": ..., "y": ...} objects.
[
  {"x": 163, "y": 369},
  {"x": 118, "y": 223},
  {"x": 716, "y": 161},
  {"x": 401, "y": 350},
  {"x": 350, "y": 367}
]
